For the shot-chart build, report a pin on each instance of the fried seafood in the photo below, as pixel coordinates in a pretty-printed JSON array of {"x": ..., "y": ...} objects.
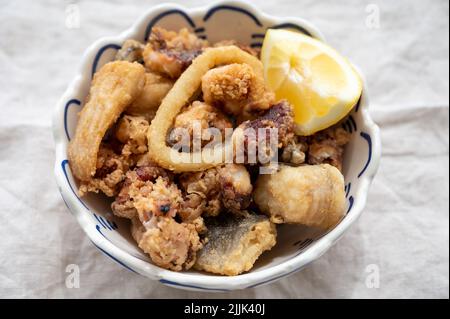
[
  {"x": 132, "y": 132},
  {"x": 235, "y": 243},
  {"x": 328, "y": 147},
  {"x": 237, "y": 89},
  {"x": 120, "y": 151},
  {"x": 311, "y": 195},
  {"x": 174, "y": 101},
  {"x": 147, "y": 191},
  {"x": 214, "y": 190},
  {"x": 253, "y": 51},
  {"x": 170, "y": 53},
  {"x": 323, "y": 147},
  {"x": 248, "y": 140},
  {"x": 236, "y": 187},
  {"x": 130, "y": 51},
  {"x": 171, "y": 245},
  {"x": 202, "y": 194},
  {"x": 147, "y": 103},
  {"x": 182, "y": 135},
  {"x": 113, "y": 88},
  {"x": 198, "y": 117},
  {"x": 295, "y": 151},
  {"x": 110, "y": 172}
]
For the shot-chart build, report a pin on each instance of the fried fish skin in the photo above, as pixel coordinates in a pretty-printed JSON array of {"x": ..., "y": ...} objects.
[
  {"x": 235, "y": 242},
  {"x": 311, "y": 195},
  {"x": 113, "y": 88}
]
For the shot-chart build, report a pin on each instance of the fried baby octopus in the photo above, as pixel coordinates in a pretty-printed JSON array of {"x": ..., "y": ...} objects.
[
  {"x": 151, "y": 200},
  {"x": 324, "y": 147},
  {"x": 218, "y": 189}
]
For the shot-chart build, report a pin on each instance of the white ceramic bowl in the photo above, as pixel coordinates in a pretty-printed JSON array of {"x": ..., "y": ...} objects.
[{"x": 296, "y": 247}]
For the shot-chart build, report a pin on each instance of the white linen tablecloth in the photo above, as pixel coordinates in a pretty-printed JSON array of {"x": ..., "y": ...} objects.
[{"x": 404, "y": 230}]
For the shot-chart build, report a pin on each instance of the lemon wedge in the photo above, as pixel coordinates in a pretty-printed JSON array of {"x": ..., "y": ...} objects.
[{"x": 321, "y": 84}]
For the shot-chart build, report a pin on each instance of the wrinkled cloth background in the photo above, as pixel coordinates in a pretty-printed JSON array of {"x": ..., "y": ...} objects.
[{"x": 404, "y": 230}]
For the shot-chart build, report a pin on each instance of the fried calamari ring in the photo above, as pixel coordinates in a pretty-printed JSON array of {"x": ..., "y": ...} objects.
[
  {"x": 113, "y": 88},
  {"x": 183, "y": 89}
]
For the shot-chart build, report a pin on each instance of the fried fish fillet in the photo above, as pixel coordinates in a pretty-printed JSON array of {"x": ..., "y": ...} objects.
[
  {"x": 113, "y": 88},
  {"x": 311, "y": 195},
  {"x": 235, "y": 243}
]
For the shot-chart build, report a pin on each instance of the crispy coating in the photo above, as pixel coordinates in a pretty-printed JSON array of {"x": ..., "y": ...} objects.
[
  {"x": 113, "y": 88},
  {"x": 328, "y": 147},
  {"x": 203, "y": 116},
  {"x": 235, "y": 243},
  {"x": 295, "y": 151},
  {"x": 132, "y": 132},
  {"x": 171, "y": 245},
  {"x": 253, "y": 51},
  {"x": 122, "y": 147},
  {"x": 176, "y": 99},
  {"x": 170, "y": 53},
  {"x": 154, "y": 91},
  {"x": 159, "y": 198},
  {"x": 225, "y": 188},
  {"x": 201, "y": 193},
  {"x": 130, "y": 51},
  {"x": 311, "y": 195},
  {"x": 254, "y": 137},
  {"x": 229, "y": 83},
  {"x": 147, "y": 191},
  {"x": 237, "y": 89},
  {"x": 110, "y": 172},
  {"x": 281, "y": 117},
  {"x": 236, "y": 187}
]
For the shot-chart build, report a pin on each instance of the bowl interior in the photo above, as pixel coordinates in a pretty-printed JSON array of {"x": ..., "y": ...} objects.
[{"x": 213, "y": 25}]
